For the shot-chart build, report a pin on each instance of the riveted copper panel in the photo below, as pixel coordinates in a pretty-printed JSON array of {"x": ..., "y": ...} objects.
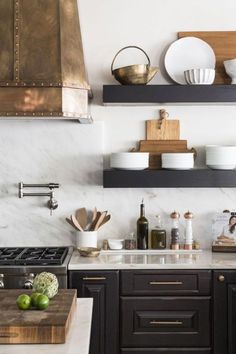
[
  {"x": 42, "y": 70},
  {"x": 6, "y": 40},
  {"x": 72, "y": 57},
  {"x": 43, "y": 102},
  {"x": 40, "y": 41}
]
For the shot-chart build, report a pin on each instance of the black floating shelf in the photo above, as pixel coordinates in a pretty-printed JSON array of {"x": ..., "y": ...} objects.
[
  {"x": 198, "y": 178},
  {"x": 182, "y": 94}
]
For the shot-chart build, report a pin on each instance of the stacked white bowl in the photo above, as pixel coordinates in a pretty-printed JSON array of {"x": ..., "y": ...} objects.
[
  {"x": 177, "y": 161},
  {"x": 130, "y": 160},
  {"x": 199, "y": 76},
  {"x": 221, "y": 157}
]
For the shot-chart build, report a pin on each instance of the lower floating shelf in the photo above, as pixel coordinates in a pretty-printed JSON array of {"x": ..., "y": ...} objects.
[{"x": 196, "y": 178}]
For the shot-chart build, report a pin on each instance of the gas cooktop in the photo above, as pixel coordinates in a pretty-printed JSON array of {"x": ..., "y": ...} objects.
[{"x": 33, "y": 255}]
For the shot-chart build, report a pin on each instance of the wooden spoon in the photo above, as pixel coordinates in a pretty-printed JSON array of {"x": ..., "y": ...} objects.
[
  {"x": 71, "y": 223},
  {"x": 82, "y": 217},
  {"x": 98, "y": 214},
  {"x": 105, "y": 220},
  {"x": 100, "y": 220},
  {"x": 76, "y": 223}
]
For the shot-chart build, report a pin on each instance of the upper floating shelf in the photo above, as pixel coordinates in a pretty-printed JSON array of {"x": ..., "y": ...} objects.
[
  {"x": 196, "y": 178},
  {"x": 180, "y": 94}
]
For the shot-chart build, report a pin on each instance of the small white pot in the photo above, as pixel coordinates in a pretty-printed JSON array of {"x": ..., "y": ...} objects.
[
  {"x": 86, "y": 239},
  {"x": 230, "y": 68}
]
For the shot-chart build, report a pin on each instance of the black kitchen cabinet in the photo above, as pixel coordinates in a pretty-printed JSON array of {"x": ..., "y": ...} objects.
[
  {"x": 166, "y": 311},
  {"x": 103, "y": 287},
  {"x": 224, "y": 312}
]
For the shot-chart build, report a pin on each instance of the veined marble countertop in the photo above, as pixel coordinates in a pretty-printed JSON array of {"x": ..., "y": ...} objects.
[
  {"x": 78, "y": 338},
  {"x": 170, "y": 260}
]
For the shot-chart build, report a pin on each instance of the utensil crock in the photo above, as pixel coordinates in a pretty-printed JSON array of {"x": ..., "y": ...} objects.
[{"x": 86, "y": 239}]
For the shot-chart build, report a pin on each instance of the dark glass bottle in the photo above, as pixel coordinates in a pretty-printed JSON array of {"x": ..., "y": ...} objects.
[{"x": 142, "y": 229}]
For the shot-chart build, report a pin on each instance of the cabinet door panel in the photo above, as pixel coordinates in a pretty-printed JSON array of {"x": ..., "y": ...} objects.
[
  {"x": 156, "y": 282},
  {"x": 232, "y": 318},
  {"x": 103, "y": 287},
  {"x": 165, "y": 322}
]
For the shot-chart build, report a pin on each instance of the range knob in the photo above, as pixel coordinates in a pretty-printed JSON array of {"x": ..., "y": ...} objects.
[
  {"x": 2, "y": 285},
  {"x": 29, "y": 281}
]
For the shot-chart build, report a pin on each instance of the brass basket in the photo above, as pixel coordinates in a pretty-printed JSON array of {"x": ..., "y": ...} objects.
[
  {"x": 139, "y": 74},
  {"x": 89, "y": 251}
]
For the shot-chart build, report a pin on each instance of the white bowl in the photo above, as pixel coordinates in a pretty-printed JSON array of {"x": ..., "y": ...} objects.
[
  {"x": 115, "y": 244},
  {"x": 130, "y": 160},
  {"x": 199, "y": 76},
  {"x": 177, "y": 161},
  {"x": 221, "y": 157},
  {"x": 221, "y": 167},
  {"x": 230, "y": 68}
]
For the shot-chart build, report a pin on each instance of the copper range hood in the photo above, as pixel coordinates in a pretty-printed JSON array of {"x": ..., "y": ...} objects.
[{"x": 42, "y": 69}]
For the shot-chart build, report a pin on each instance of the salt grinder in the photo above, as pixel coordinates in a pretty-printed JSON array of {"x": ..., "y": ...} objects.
[
  {"x": 188, "y": 231},
  {"x": 175, "y": 231}
]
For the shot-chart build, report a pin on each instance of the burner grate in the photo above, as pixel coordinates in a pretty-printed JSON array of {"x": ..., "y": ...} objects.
[
  {"x": 42, "y": 256},
  {"x": 33, "y": 255},
  {"x": 8, "y": 255}
]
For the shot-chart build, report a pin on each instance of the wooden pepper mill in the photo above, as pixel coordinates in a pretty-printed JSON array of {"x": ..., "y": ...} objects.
[{"x": 188, "y": 231}]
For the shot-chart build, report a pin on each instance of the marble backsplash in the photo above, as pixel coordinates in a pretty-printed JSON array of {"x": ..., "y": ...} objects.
[{"x": 72, "y": 155}]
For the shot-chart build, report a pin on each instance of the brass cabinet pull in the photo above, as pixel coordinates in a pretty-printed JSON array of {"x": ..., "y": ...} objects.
[
  {"x": 166, "y": 322},
  {"x": 94, "y": 278},
  {"x": 221, "y": 278},
  {"x": 165, "y": 282}
]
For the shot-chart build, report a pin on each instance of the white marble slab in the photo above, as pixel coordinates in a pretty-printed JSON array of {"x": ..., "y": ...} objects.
[
  {"x": 78, "y": 338},
  {"x": 200, "y": 260}
]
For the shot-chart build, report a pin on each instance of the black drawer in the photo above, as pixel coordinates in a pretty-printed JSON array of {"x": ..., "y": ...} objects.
[
  {"x": 165, "y": 351},
  {"x": 154, "y": 282},
  {"x": 165, "y": 322}
]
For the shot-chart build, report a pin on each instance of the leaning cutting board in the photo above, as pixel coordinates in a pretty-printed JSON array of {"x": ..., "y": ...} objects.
[
  {"x": 34, "y": 326},
  {"x": 163, "y": 128},
  {"x": 224, "y": 45}
]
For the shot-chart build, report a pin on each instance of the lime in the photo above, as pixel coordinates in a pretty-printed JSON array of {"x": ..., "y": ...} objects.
[
  {"x": 34, "y": 297},
  {"x": 42, "y": 302},
  {"x": 23, "y": 302}
]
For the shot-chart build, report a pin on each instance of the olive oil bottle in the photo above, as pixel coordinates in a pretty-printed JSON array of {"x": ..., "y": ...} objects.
[
  {"x": 142, "y": 229},
  {"x": 158, "y": 236}
]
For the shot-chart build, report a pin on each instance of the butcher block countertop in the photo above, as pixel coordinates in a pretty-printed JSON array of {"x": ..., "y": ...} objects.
[
  {"x": 78, "y": 337},
  {"x": 154, "y": 260}
]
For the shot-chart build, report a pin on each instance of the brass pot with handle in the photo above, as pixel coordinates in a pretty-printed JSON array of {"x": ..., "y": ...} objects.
[{"x": 139, "y": 74}]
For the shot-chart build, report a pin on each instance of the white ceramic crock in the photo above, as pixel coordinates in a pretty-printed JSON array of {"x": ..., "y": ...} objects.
[{"x": 86, "y": 239}]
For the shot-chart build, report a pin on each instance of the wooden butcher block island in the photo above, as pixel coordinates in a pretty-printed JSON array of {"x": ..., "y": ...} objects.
[{"x": 35, "y": 326}]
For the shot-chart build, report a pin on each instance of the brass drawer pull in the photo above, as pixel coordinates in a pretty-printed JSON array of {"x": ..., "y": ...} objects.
[
  {"x": 94, "y": 278},
  {"x": 165, "y": 282},
  {"x": 179, "y": 323}
]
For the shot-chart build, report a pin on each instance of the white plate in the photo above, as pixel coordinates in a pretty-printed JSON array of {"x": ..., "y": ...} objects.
[{"x": 188, "y": 53}]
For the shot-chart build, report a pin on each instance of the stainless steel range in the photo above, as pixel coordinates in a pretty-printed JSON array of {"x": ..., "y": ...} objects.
[{"x": 19, "y": 265}]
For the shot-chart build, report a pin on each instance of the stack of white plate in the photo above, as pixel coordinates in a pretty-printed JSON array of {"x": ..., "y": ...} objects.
[
  {"x": 130, "y": 160},
  {"x": 177, "y": 161},
  {"x": 221, "y": 157}
]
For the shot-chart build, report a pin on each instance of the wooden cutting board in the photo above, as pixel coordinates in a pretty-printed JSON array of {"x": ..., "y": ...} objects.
[
  {"x": 224, "y": 45},
  {"x": 160, "y": 146},
  {"x": 163, "y": 128},
  {"x": 157, "y": 147},
  {"x": 34, "y": 326}
]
